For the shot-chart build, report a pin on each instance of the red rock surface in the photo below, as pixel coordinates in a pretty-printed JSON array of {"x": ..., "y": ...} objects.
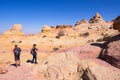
[
  {"x": 20, "y": 73},
  {"x": 85, "y": 51},
  {"x": 3, "y": 69}
]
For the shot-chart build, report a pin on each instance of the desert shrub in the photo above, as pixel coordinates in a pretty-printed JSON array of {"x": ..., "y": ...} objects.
[
  {"x": 106, "y": 38},
  {"x": 44, "y": 36},
  {"x": 58, "y": 37},
  {"x": 89, "y": 41},
  {"x": 55, "y": 49},
  {"x": 61, "y": 33},
  {"x": 111, "y": 27},
  {"x": 13, "y": 42},
  {"x": 20, "y": 42},
  {"x": 99, "y": 40},
  {"x": 16, "y": 42},
  {"x": 105, "y": 34},
  {"x": 86, "y": 34}
]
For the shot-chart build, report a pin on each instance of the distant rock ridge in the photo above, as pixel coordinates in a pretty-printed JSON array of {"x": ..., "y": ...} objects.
[
  {"x": 95, "y": 23},
  {"x": 15, "y": 30},
  {"x": 47, "y": 28}
]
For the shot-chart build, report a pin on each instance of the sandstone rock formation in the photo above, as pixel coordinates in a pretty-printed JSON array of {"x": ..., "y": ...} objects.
[
  {"x": 96, "y": 19},
  {"x": 97, "y": 23},
  {"x": 81, "y": 25},
  {"x": 15, "y": 30},
  {"x": 65, "y": 52},
  {"x": 81, "y": 22},
  {"x": 64, "y": 66},
  {"x": 111, "y": 51},
  {"x": 116, "y": 24},
  {"x": 45, "y": 28}
]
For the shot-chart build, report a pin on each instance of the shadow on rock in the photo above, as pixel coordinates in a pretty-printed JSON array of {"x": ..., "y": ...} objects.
[
  {"x": 103, "y": 45},
  {"x": 112, "y": 39},
  {"x": 98, "y": 45},
  {"x": 13, "y": 65},
  {"x": 29, "y": 61}
]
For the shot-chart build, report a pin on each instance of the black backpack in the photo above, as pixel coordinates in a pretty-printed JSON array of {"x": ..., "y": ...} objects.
[
  {"x": 32, "y": 51},
  {"x": 17, "y": 51}
]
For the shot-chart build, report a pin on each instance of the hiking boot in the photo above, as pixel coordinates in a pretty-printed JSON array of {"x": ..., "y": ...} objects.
[
  {"x": 18, "y": 64},
  {"x": 36, "y": 62},
  {"x": 32, "y": 61}
]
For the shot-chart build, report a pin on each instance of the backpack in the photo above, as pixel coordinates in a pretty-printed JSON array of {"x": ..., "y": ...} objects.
[
  {"x": 32, "y": 51},
  {"x": 17, "y": 51}
]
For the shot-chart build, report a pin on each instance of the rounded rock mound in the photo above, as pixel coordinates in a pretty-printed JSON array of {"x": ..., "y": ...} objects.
[{"x": 15, "y": 30}]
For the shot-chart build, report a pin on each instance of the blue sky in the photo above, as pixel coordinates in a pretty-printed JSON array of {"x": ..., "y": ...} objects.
[{"x": 33, "y": 14}]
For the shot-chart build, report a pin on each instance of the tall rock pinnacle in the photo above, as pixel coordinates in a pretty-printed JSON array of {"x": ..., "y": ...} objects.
[{"x": 96, "y": 19}]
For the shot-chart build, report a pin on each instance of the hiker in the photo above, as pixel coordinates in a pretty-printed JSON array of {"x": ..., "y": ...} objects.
[
  {"x": 34, "y": 53},
  {"x": 17, "y": 52}
]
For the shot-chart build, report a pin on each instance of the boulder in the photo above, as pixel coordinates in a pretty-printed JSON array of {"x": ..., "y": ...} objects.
[
  {"x": 116, "y": 24},
  {"x": 3, "y": 70},
  {"x": 100, "y": 70}
]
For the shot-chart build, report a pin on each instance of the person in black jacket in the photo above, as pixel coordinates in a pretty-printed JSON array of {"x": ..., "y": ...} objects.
[
  {"x": 34, "y": 53},
  {"x": 17, "y": 52}
]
